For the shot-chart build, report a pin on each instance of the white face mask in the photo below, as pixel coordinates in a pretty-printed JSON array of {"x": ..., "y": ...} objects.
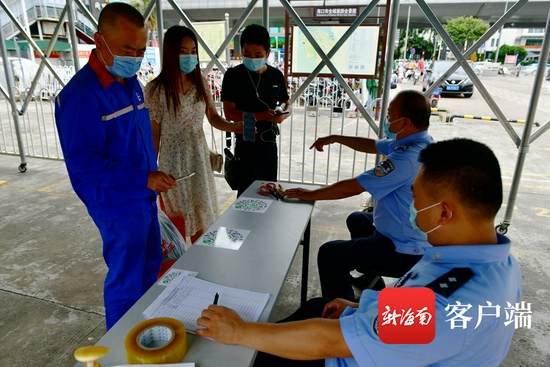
[{"x": 412, "y": 218}]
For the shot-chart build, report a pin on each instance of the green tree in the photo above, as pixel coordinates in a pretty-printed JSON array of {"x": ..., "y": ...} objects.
[
  {"x": 415, "y": 40},
  {"x": 141, "y": 6},
  {"x": 465, "y": 30},
  {"x": 509, "y": 50},
  {"x": 279, "y": 42}
]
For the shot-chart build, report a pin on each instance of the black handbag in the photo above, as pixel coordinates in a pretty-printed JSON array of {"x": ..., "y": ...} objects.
[{"x": 231, "y": 164}]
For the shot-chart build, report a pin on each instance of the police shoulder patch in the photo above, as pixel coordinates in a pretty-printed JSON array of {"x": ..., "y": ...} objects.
[
  {"x": 375, "y": 325},
  {"x": 384, "y": 168}
]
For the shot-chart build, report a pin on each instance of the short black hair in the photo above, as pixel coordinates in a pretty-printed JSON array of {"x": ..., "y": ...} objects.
[
  {"x": 466, "y": 169},
  {"x": 108, "y": 17},
  {"x": 255, "y": 34},
  {"x": 415, "y": 106}
]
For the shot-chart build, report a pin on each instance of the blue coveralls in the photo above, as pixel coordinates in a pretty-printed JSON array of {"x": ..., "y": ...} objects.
[{"x": 106, "y": 137}]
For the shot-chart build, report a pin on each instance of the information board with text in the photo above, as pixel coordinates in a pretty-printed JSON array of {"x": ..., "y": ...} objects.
[{"x": 356, "y": 58}]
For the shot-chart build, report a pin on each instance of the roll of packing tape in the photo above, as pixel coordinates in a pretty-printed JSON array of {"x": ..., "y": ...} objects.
[{"x": 156, "y": 341}]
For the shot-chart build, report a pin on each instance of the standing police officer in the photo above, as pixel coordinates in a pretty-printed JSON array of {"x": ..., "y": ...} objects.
[
  {"x": 106, "y": 138},
  {"x": 384, "y": 239}
]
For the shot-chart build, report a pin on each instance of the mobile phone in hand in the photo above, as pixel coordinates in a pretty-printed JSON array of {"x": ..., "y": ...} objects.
[{"x": 249, "y": 127}]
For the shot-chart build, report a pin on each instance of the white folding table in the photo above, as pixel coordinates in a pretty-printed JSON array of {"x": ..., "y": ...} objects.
[{"x": 260, "y": 265}]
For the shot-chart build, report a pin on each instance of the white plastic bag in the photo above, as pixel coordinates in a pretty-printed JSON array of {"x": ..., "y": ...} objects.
[{"x": 173, "y": 245}]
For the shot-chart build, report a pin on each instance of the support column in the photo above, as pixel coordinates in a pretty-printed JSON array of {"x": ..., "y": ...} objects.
[
  {"x": 72, "y": 33},
  {"x": 390, "y": 42},
  {"x": 407, "y": 33},
  {"x": 160, "y": 28},
  {"x": 227, "y": 50},
  {"x": 500, "y": 36},
  {"x": 265, "y": 14},
  {"x": 15, "y": 113},
  {"x": 26, "y": 25},
  {"x": 523, "y": 148}
]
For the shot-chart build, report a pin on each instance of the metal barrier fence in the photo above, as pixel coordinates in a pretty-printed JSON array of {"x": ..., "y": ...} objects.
[
  {"x": 37, "y": 124},
  {"x": 315, "y": 114}
]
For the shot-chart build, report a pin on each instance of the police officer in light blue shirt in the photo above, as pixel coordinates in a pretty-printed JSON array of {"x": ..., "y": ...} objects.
[
  {"x": 457, "y": 194},
  {"x": 390, "y": 184},
  {"x": 383, "y": 240},
  {"x": 496, "y": 279}
]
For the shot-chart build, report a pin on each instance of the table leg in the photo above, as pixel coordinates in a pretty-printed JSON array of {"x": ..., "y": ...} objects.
[{"x": 305, "y": 263}]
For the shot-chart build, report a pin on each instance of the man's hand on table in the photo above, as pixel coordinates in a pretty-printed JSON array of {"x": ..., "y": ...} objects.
[
  {"x": 298, "y": 193},
  {"x": 222, "y": 324},
  {"x": 159, "y": 181}
]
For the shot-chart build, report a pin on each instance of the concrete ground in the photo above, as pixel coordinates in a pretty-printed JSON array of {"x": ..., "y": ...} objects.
[{"x": 52, "y": 272}]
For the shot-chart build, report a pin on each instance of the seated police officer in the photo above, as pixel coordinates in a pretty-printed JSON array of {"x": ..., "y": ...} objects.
[
  {"x": 384, "y": 239},
  {"x": 457, "y": 194}
]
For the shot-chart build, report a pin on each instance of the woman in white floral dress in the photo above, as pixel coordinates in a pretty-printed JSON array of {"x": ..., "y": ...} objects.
[{"x": 178, "y": 100}]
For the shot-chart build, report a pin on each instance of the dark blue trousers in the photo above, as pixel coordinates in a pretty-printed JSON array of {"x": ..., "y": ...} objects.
[
  {"x": 367, "y": 251},
  {"x": 131, "y": 250},
  {"x": 312, "y": 309}
]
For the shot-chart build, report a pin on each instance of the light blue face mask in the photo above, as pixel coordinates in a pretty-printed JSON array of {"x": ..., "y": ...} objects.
[
  {"x": 386, "y": 126},
  {"x": 253, "y": 64},
  {"x": 412, "y": 218},
  {"x": 188, "y": 63},
  {"x": 123, "y": 66}
]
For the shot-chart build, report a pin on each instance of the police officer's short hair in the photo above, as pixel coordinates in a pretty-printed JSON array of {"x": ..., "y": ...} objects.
[
  {"x": 415, "y": 106},
  {"x": 467, "y": 170},
  {"x": 255, "y": 34},
  {"x": 108, "y": 17}
]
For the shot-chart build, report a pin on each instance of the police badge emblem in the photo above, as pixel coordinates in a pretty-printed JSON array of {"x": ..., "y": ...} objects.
[{"x": 384, "y": 168}]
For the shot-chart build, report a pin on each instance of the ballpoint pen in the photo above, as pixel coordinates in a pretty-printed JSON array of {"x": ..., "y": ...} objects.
[
  {"x": 185, "y": 177},
  {"x": 216, "y": 298}
]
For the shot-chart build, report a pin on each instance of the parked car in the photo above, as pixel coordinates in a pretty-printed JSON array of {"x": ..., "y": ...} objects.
[
  {"x": 456, "y": 83},
  {"x": 532, "y": 69}
]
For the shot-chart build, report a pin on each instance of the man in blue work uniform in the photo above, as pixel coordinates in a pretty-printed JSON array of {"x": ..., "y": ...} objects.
[
  {"x": 457, "y": 194},
  {"x": 106, "y": 138},
  {"x": 382, "y": 240}
]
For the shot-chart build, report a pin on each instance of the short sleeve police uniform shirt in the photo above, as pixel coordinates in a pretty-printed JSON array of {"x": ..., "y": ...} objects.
[
  {"x": 390, "y": 184},
  {"x": 496, "y": 279}
]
